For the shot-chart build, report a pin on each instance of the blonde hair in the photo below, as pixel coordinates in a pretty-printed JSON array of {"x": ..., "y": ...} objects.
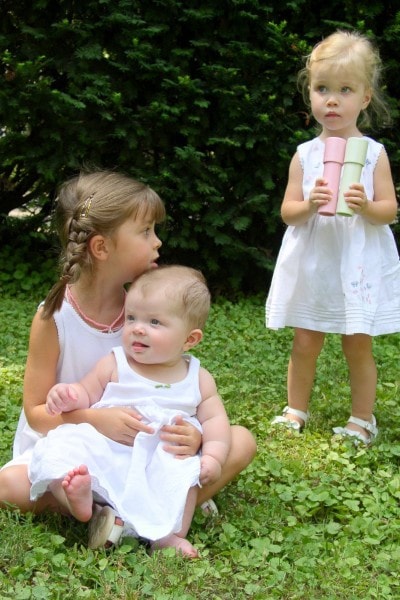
[
  {"x": 186, "y": 287},
  {"x": 344, "y": 49},
  {"x": 91, "y": 204}
]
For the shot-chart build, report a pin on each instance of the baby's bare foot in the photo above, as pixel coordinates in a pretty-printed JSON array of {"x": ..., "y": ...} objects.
[
  {"x": 77, "y": 486},
  {"x": 181, "y": 545}
]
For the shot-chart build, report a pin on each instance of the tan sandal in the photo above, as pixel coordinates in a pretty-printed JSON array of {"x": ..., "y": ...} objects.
[{"x": 105, "y": 527}]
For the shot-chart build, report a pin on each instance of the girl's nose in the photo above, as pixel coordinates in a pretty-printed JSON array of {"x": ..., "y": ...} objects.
[{"x": 332, "y": 100}]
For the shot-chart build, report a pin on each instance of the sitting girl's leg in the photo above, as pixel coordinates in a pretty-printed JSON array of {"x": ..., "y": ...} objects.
[
  {"x": 178, "y": 540},
  {"x": 242, "y": 451},
  {"x": 15, "y": 492}
]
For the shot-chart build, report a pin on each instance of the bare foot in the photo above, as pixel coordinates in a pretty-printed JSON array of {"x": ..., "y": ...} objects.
[
  {"x": 181, "y": 545},
  {"x": 77, "y": 486}
]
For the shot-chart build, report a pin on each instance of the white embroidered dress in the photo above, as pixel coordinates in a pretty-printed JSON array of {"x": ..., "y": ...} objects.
[
  {"x": 336, "y": 274},
  {"x": 146, "y": 485}
]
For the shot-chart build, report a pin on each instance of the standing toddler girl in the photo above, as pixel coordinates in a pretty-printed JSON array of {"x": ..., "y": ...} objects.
[{"x": 337, "y": 274}]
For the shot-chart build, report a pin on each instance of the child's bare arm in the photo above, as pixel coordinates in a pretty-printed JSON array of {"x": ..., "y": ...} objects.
[
  {"x": 216, "y": 430},
  {"x": 118, "y": 424},
  {"x": 64, "y": 397},
  {"x": 295, "y": 209},
  {"x": 383, "y": 209}
]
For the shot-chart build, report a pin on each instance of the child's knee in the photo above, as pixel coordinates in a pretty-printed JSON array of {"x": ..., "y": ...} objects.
[
  {"x": 243, "y": 446},
  {"x": 14, "y": 487},
  {"x": 307, "y": 343},
  {"x": 356, "y": 346}
]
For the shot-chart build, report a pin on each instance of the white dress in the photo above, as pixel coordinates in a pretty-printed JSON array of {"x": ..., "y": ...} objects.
[
  {"x": 336, "y": 274},
  {"x": 81, "y": 346},
  {"x": 146, "y": 485}
]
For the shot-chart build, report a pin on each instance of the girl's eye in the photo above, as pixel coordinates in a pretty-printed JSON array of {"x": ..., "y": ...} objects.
[
  {"x": 322, "y": 89},
  {"x": 346, "y": 89},
  {"x": 155, "y": 322},
  {"x": 130, "y": 318}
]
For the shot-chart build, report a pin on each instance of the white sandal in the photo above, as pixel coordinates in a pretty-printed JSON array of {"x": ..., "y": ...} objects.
[
  {"x": 209, "y": 508},
  {"x": 283, "y": 420},
  {"x": 105, "y": 527},
  {"x": 370, "y": 428}
]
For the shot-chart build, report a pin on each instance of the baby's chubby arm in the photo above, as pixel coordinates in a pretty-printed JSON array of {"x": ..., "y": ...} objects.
[
  {"x": 216, "y": 430},
  {"x": 65, "y": 397},
  {"x": 210, "y": 469}
]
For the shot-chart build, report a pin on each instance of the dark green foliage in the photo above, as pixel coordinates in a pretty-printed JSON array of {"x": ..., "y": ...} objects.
[
  {"x": 197, "y": 98},
  {"x": 28, "y": 259}
]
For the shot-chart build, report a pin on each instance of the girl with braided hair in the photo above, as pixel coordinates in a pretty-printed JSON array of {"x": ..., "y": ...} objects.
[{"x": 106, "y": 224}]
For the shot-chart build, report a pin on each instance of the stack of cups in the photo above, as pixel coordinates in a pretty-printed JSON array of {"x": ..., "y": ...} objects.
[{"x": 343, "y": 163}]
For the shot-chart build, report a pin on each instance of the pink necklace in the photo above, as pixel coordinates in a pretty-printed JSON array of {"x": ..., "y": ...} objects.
[{"x": 103, "y": 328}]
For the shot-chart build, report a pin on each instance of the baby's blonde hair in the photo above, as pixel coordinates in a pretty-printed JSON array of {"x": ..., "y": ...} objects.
[
  {"x": 91, "y": 204},
  {"x": 186, "y": 287},
  {"x": 344, "y": 49}
]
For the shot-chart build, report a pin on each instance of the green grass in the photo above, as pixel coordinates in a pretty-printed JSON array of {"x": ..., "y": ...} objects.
[{"x": 312, "y": 517}]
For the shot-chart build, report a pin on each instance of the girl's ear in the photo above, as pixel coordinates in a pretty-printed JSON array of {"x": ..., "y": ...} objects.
[
  {"x": 98, "y": 247},
  {"x": 367, "y": 98},
  {"x": 194, "y": 337}
]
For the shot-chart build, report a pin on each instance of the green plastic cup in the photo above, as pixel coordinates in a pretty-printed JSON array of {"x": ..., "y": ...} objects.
[{"x": 354, "y": 160}]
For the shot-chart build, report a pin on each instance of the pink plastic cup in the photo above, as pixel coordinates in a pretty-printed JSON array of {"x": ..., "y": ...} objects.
[{"x": 333, "y": 160}]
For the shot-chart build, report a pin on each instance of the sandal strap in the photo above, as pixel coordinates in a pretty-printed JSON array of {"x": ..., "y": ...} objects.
[
  {"x": 344, "y": 431},
  {"x": 281, "y": 420},
  {"x": 298, "y": 413},
  {"x": 116, "y": 532},
  {"x": 291, "y": 424},
  {"x": 209, "y": 508},
  {"x": 367, "y": 425}
]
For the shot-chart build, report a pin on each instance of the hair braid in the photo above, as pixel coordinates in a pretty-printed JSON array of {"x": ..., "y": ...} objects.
[{"x": 95, "y": 204}]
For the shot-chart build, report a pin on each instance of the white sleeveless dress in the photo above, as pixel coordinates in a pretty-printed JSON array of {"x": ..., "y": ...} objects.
[
  {"x": 336, "y": 274},
  {"x": 146, "y": 485},
  {"x": 81, "y": 346}
]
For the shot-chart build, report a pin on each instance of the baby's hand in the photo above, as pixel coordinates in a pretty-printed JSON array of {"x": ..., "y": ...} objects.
[
  {"x": 181, "y": 439},
  {"x": 61, "y": 398},
  {"x": 210, "y": 470}
]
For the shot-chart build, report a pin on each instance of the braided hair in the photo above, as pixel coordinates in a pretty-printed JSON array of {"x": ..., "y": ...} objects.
[{"x": 92, "y": 204}]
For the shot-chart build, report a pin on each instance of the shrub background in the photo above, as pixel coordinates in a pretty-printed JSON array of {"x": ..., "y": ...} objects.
[{"x": 198, "y": 98}]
